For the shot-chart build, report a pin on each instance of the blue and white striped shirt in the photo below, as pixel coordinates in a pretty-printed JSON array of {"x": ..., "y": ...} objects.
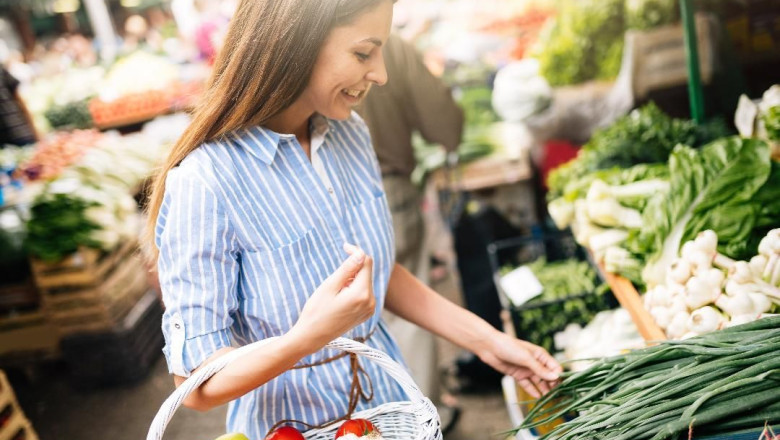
[{"x": 247, "y": 231}]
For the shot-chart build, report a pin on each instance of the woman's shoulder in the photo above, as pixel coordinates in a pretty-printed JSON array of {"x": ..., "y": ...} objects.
[{"x": 201, "y": 164}]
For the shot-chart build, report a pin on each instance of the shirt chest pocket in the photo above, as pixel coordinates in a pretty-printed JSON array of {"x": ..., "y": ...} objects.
[
  {"x": 371, "y": 227},
  {"x": 275, "y": 284}
]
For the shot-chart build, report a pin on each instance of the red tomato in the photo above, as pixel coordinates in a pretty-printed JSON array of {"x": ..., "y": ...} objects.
[
  {"x": 359, "y": 427},
  {"x": 285, "y": 433}
]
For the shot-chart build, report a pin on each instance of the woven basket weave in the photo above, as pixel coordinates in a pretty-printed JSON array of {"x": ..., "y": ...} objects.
[{"x": 415, "y": 419}]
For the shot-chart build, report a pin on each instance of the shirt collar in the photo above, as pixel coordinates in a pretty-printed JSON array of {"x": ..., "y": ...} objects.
[{"x": 264, "y": 143}]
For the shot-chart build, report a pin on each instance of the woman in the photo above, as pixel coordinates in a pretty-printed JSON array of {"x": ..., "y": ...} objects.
[{"x": 252, "y": 213}]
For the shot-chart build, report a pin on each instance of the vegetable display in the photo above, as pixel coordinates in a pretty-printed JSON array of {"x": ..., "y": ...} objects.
[
  {"x": 644, "y": 136},
  {"x": 55, "y": 153},
  {"x": 647, "y": 184},
  {"x": 571, "y": 295},
  {"x": 614, "y": 331},
  {"x": 58, "y": 226},
  {"x": 561, "y": 278},
  {"x": 137, "y": 87},
  {"x": 480, "y": 135},
  {"x": 717, "y": 383},
  {"x": 69, "y": 116},
  {"x": 722, "y": 187},
  {"x": 87, "y": 195},
  {"x": 705, "y": 290},
  {"x": 585, "y": 41}
]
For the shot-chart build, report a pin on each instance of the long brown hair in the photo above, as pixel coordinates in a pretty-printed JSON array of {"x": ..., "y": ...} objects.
[{"x": 265, "y": 64}]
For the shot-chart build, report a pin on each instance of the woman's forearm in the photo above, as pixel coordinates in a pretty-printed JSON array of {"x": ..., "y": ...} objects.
[
  {"x": 412, "y": 300},
  {"x": 250, "y": 371}
]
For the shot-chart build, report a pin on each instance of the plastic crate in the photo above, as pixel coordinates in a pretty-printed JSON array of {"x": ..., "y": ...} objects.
[
  {"x": 577, "y": 308},
  {"x": 121, "y": 355}
]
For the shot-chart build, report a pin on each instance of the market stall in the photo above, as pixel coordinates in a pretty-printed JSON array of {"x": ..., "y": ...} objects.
[{"x": 588, "y": 216}]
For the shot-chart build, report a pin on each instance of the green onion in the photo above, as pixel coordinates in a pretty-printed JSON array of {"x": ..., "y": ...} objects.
[{"x": 721, "y": 381}]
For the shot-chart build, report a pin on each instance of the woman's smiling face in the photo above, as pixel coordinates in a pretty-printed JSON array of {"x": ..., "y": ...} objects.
[{"x": 349, "y": 63}]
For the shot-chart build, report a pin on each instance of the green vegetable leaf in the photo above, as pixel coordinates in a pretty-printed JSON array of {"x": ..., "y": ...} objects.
[{"x": 710, "y": 189}]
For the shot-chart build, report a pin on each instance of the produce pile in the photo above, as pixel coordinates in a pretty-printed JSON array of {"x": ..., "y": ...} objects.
[
  {"x": 55, "y": 153},
  {"x": 523, "y": 28},
  {"x": 137, "y": 87},
  {"x": 585, "y": 41},
  {"x": 571, "y": 295},
  {"x": 705, "y": 290},
  {"x": 761, "y": 119},
  {"x": 649, "y": 183},
  {"x": 89, "y": 201},
  {"x": 717, "y": 383},
  {"x": 480, "y": 134},
  {"x": 614, "y": 330},
  {"x": 351, "y": 429}
]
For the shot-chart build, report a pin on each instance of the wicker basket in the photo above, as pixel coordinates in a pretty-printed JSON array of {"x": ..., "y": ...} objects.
[{"x": 415, "y": 419}]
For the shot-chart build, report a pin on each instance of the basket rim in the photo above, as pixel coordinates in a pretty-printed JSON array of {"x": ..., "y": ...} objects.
[{"x": 393, "y": 368}]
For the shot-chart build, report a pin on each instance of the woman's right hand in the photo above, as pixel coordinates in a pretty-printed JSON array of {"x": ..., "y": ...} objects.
[{"x": 344, "y": 300}]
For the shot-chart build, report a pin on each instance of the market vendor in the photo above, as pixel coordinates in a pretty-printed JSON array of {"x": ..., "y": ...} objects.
[{"x": 270, "y": 220}]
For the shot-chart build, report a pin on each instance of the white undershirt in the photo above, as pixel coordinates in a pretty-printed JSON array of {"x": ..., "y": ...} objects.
[{"x": 319, "y": 129}]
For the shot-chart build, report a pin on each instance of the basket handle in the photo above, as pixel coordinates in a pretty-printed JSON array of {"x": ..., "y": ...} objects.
[{"x": 174, "y": 401}]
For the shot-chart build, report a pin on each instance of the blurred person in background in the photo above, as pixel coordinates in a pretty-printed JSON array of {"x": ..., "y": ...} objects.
[
  {"x": 413, "y": 100},
  {"x": 136, "y": 29},
  {"x": 16, "y": 126}
]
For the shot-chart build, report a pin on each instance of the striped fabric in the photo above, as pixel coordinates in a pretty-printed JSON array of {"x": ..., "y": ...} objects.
[{"x": 246, "y": 232}]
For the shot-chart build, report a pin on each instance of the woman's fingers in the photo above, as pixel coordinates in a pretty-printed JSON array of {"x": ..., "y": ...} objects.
[
  {"x": 348, "y": 269},
  {"x": 529, "y": 388}
]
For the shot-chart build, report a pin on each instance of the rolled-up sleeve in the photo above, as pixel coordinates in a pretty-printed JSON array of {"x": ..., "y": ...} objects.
[{"x": 198, "y": 269}]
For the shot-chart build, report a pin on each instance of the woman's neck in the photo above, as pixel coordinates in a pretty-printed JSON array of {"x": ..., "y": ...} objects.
[{"x": 292, "y": 121}]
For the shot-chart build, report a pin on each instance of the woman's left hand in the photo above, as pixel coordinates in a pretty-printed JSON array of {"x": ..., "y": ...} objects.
[{"x": 530, "y": 365}]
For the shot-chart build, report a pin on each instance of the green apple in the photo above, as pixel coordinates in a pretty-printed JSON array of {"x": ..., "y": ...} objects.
[{"x": 232, "y": 436}]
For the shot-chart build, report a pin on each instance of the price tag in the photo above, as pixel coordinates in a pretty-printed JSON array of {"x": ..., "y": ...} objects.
[{"x": 521, "y": 285}]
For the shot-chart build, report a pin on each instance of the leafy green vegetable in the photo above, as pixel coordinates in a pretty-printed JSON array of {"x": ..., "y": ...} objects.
[
  {"x": 772, "y": 123},
  {"x": 69, "y": 116},
  {"x": 741, "y": 224},
  {"x": 478, "y": 141},
  {"x": 718, "y": 382},
  {"x": 538, "y": 321},
  {"x": 585, "y": 42},
  {"x": 710, "y": 189},
  {"x": 570, "y": 295},
  {"x": 560, "y": 278},
  {"x": 477, "y": 106},
  {"x": 647, "y": 14},
  {"x": 646, "y": 135},
  {"x": 58, "y": 226},
  {"x": 578, "y": 188}
]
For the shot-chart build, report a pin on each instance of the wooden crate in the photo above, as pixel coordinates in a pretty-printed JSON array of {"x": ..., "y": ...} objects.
[
  {"x": 85, "y": 267},
  {"x": 23, "y": 295},
  {"x": 91, "y": 291},
  {"x": 13, "y": 424},
  {"x": 28, "y": 335},
  {"x": 18, "y": 428},
  {"x": 629, "y": 298}
]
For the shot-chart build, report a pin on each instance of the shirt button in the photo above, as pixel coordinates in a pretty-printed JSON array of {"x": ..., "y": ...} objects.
[
  {"x": 330, "y": 190},
  {"x": 177, "y": 326}
]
